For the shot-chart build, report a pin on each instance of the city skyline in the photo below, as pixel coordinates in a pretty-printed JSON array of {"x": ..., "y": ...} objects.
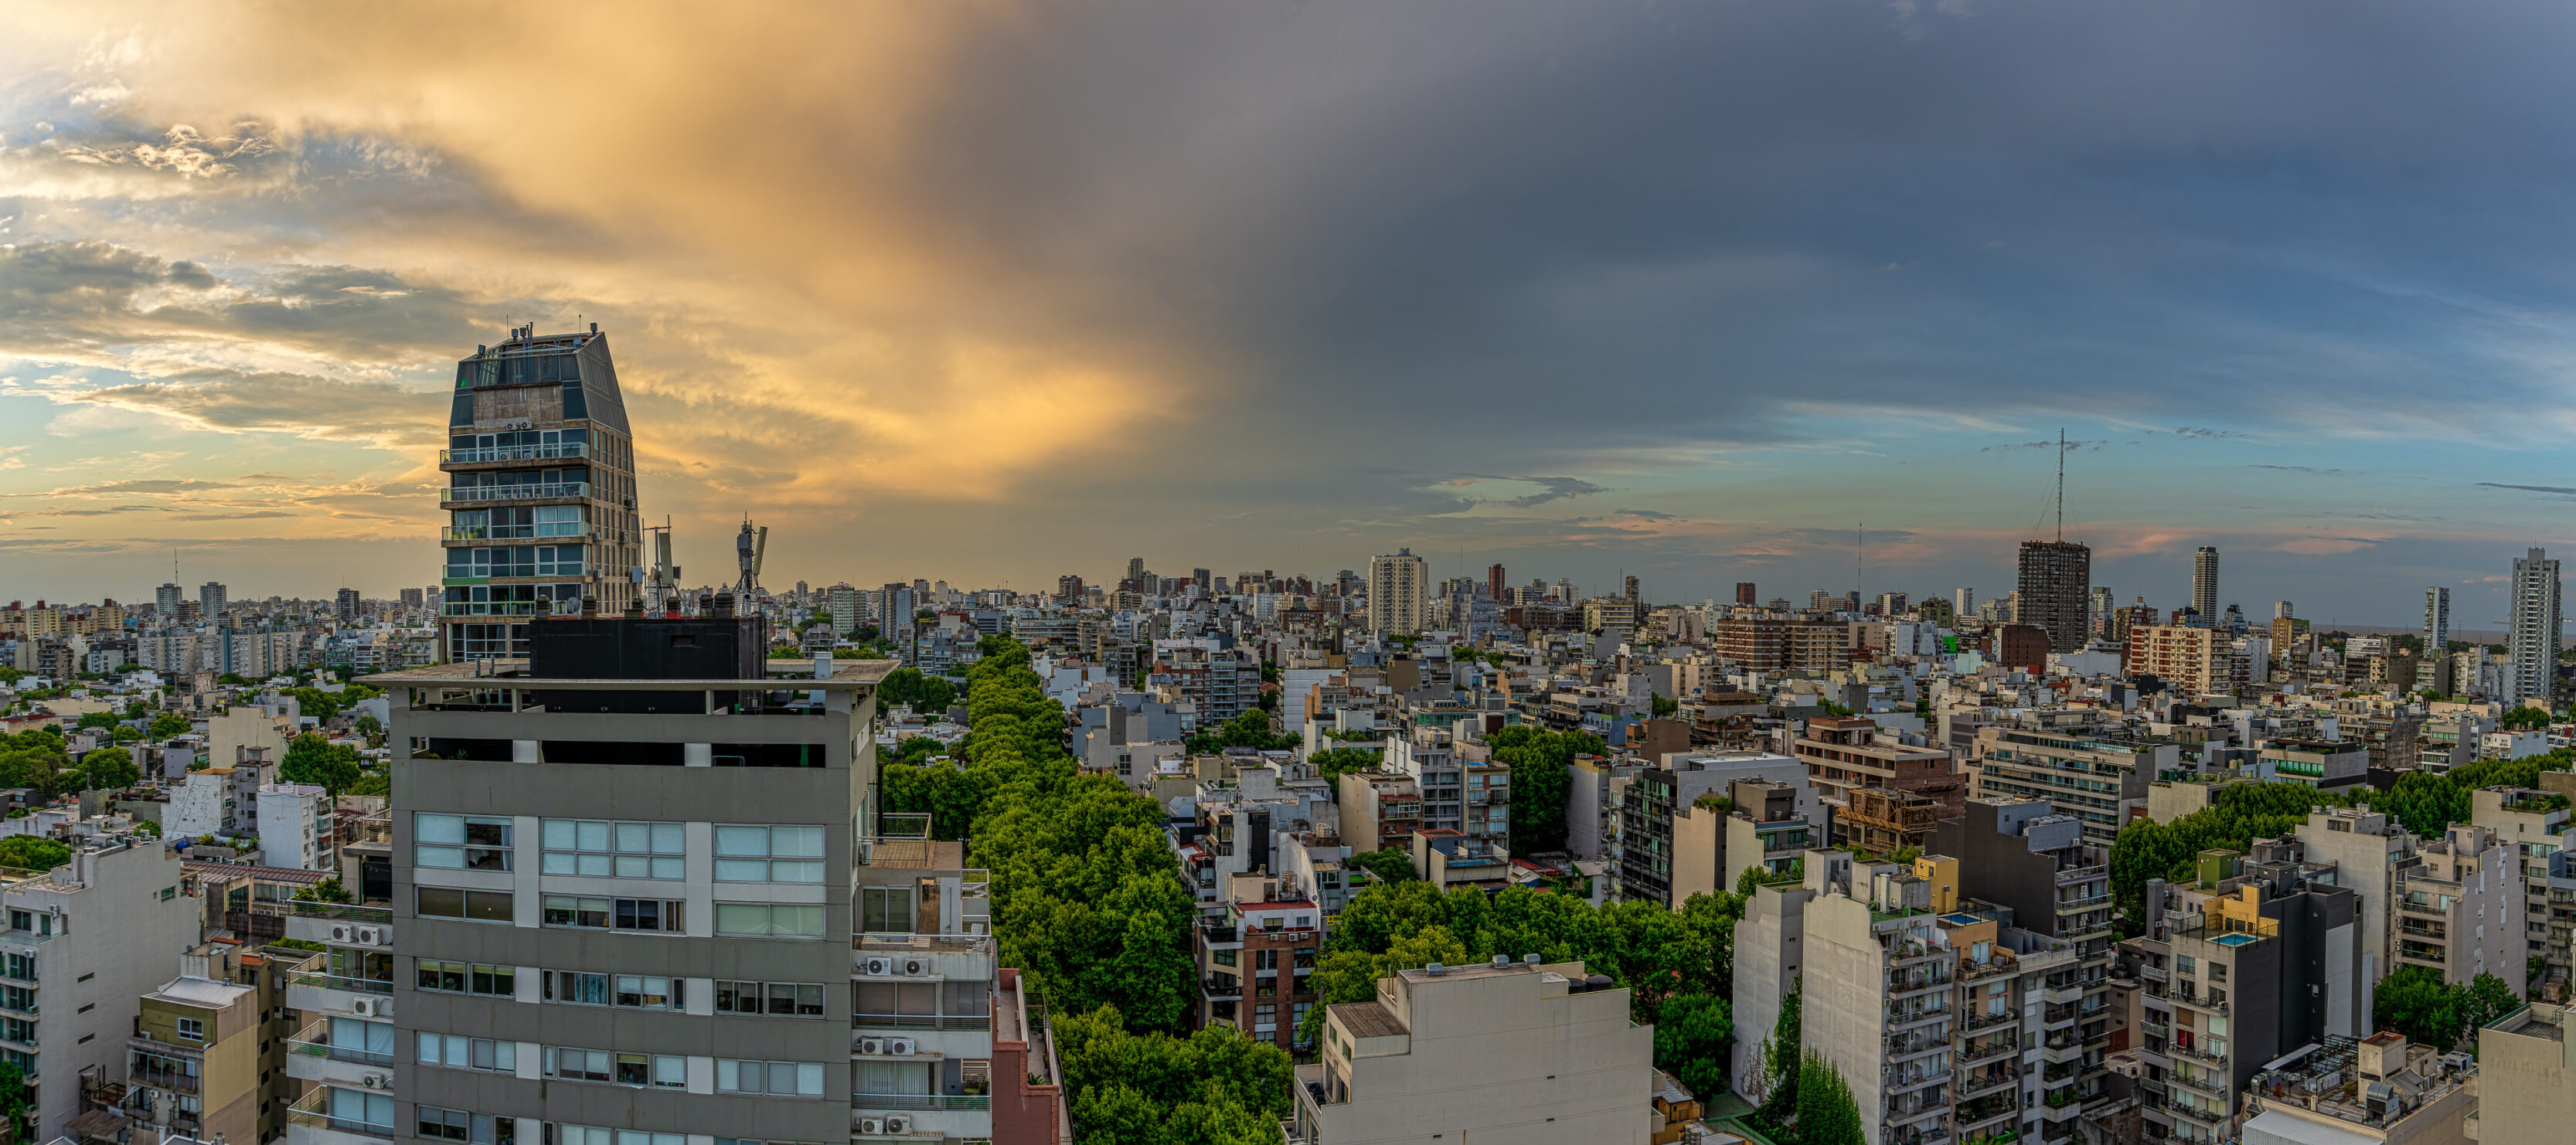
[{"x": 1453, "y": 295}]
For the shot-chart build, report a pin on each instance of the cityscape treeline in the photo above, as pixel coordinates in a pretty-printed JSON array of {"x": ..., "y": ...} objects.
[{"x": 1088, "y": 902}]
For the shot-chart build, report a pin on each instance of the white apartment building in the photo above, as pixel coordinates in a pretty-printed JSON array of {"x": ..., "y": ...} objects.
[
  {"x": 297, "y": 827},
  {"x": 1505, "y": 1053},
  {"x": 2532, "y": 628},
  {"x": 2459, "y": 911}
]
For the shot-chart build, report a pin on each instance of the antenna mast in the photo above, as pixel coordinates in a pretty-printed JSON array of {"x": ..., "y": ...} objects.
[{"x": 2061, "y": 484}]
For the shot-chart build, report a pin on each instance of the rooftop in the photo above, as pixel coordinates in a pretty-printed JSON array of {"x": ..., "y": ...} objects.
[
  {"x": 1369, "y": 1020},
  {"x": 791, "y": 675}
]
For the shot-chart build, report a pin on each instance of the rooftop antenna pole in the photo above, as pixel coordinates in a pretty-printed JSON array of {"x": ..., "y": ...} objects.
[{"x": 2061, "y": 484}]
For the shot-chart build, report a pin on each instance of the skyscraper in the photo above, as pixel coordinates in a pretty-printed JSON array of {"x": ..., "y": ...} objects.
[
  {"x": 1632, "y": 590},
  {"x": 2056, "y": 576},
  {"x": 1963, "y": 602},
  {"x": 2099, "y": 622},
  {"x": 165, "y": 600},
  {"x": 345, "y": 606},
  {"x": 2531, "y": 643},
  {"x": 2204, "y": 585},
  {"x": 1497, "y": 585},
  {"x": 2437, "y": 620},
  {"x": 1399, "y": 593},
  {"x": 211, "y": 599},
  {"x": 1744, "y": 594},
  {"x": 541, "y": 490},
  {"x": 2281, "y": 610}
]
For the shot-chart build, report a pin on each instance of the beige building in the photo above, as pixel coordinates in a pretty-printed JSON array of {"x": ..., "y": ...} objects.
[
  {"x": 193, "y": 1062},
  {"x": 1399, "y": 593},
  {"x": 2459, "y": 911},
  {"x": 1508, "y": 1053},
  {"x": 2526, "y": 1079},
  {"x": 2365, "y": 847},
  {"x": 2532, "y": 824},
  {"x": 2380, "y": 1090}
]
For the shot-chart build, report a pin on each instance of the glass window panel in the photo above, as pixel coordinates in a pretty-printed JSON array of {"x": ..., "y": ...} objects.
[
  {"x": 449, "y": 858},
  {"x": 733, "y": 839},
  {"x": 439, "y": 828},
  {"x": 669, "y": 839},
  {"x": 669, "y": 867},
  {"x": 796, "y": 842},
  {"x": 637, "y": 837},
  {"x": 742, "y": 870},
  {"x": 594, "y": 835}
]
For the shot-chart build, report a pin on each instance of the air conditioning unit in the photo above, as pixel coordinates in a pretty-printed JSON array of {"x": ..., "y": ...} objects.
[
  {"x": 370, "y": 936},
  {"x": 375, "y": 1081},
  {"x": 872, "y": 1046},
  {"x": 900, "y": 1047},
  {"x": 916, "y": 967},
  {"x": 872, "y": 1125},
  {"x": 339, "y": 933},
  {"x": 366, "y": 1007},
  {"x": 877, "y": 966},
  {"x": 898, "y": 1125}
]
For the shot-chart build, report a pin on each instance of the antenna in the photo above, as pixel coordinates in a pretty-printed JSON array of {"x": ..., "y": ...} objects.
[{"x": 2061, "y": 484}]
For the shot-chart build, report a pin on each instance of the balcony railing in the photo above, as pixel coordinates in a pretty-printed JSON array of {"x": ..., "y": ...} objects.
[
  {"x": 560, "y": 451},
  {"x": 554, "y": 491},
  {"x": 169, "y": 1079},
  {"x": 340, "y": 911},
  {"x": 922, "y": 1101},
  {"x": 923, "y": 1021},
  {"x": 315, "y": 1041},
  {"x": 312, "y": 1113}
]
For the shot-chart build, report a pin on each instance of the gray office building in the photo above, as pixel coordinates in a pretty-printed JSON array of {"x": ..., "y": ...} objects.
[{"x": 643, "y": 894}]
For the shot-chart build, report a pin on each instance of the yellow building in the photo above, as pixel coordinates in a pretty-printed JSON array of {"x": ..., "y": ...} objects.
[{"x": 193, "y": 1062}]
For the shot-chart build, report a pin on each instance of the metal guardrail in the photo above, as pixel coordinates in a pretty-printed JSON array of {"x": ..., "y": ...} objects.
[
  {"x": 340, "y": 911},
  {"x": 308, "y": 1112},
  {"x": 559, "y": 490},
  {"x": 556, "y": 452},
  {"x": 315, "y": 1041},
  {"x": 909, "y": 1101}
]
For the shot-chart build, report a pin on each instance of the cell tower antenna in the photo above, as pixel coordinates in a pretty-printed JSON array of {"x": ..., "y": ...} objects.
[{"x": 2061, "y": 484}]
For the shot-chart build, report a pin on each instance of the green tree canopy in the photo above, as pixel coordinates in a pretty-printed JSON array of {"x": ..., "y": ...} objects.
[
  {"x": 108, "y": 769},
  {"x": 1335, "y": 762},
  {"x": 1827, "y": 1114},
  {"x": 1390, "y": 865},
  {"x": 1542, "y": 770},
  {"x": 1693, "y": 1036},
  {"x": 33, "y": 853},
  {"x": 315, "y": 760},
  {"x": 1249, "y": 729}
]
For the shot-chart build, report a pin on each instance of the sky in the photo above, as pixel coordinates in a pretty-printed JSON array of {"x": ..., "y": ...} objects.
[{"x": 1798, "y": 292}]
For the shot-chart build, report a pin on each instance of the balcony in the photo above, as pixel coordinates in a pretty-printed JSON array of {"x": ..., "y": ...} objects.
[
  {"x": 482, "y": 494},
  {"x": 2000, "y": 1051},
  {"x": 2202, "y": 1084},
  {"x": 1899, "y": 1081},
  {"x": 308, "y": 1124},
  {"x": 921, "y": 1116},
  {"x": 1221, "y": 988},
  {"x": 562, "y": 451},
  {"x": 310, "y": 1056},
  {"x": 339, "y": 924},
  {"x": 1972, "y": 1085},
  {"x": 308, "y": 987}
]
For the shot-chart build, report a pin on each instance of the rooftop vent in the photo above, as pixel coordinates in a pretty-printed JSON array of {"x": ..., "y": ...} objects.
[{"x": 1435, "y": 970}]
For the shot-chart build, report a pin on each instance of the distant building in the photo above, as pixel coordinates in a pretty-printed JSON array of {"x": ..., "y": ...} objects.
[
  {"x": 2531, "y": 639},
  {"x": 1399, "y": 593},
  {"x": 2056, "y": 577},
  {"x": 2527, "y": 1078}
]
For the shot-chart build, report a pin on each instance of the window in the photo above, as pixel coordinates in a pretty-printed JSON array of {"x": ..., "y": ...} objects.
[
  {"x": 468, "y": 1053},
  {"x": 615, "y": 850},
  {"x": 560, "y": 1134},
  {"x": 467, "y": 978},
  {"x": 461, "y": 842},
  {"x": 445, "y": 1124},
  {"x": 885, "y": 910},
  {"x": 662, "y": 1071},
  {"x": 2218, "y": 972},
  {"x": 478, "y": 906},
  {"x": 373, "y": 1110},
  {"x": 1226, "y": 957},
  {"x": 633, "y": 991},
  {"x": 192, "y": 1029},
  {"x": 356, "y": 1039},
  {"x": 2186, "y": 963},
  {"x": 752, "y": 854},
  {"x": 778, "y": 999},
  {"x": 777, "y": 1079},
  {"x": 769, "y": 920},
  {"x": 621, "y": 914}
]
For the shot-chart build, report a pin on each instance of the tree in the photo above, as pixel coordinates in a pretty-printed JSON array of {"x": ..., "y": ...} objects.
[
  {"x": 1335, "y": 762},
  {"x": 312, "y": 759},
  {"x": 1666, "y": 708},
  {"x": 2414, "y": 1001},
  {"x": 328, "y": 890},
  {"x": 15, "y": 1103},
  {"x": 1249, "y": 729},
  {"x": 372, "y": 730},
  {"x": 1339, "y": 977},
  {"x": 33, "y": 853},
  {"x": 1780, "y": 1055},
  {"x": 1692, "y": 1036},
  {"x": 2524, "y": 718},
  {"x": 1542, "y": 770},
  {"x": 1390, "y": 865},
  {"x": 108, "y": 769},
  {"x": 2485, "y": 999},
  {"x": 1827, "y": 1115}
]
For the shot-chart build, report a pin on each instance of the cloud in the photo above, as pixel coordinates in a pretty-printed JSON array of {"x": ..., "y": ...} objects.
[
  {"x": 299, "y": 405},
  {"x": 2295, "y": 468},
  {"x": 1558, "y": 489},
  {"x": 2558, "y": 489}
]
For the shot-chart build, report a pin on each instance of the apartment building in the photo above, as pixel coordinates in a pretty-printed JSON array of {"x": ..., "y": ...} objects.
[
  {"x": 2089, "y": 773},
  {"x": 2378, "y": 1090},
  {"x": 2324, "y": 764},
  {"x": 2029, "y": 859},
  {"x": 2194, "y": 659},
  {"x": 2459, "y": 909},
  {"x": 1774, "y": 645},
  {"x": 1886, "y": 821},
  {"x": 1506, "y": 1053},
  {"x": 2366, "y": 848},
  {"x": 193, "y": 1062},
  {"x": 2527, "y": 1079},
  {"x": 541, "y": 491},
  {"x": 1715, "y": 838},
  {"x": 81, "y": 943},
  {"x": 1380, "y": 809},
  {"x": 2534, "y": 825},
  {"x": 1219, "y": 682},
  {"x": 1644, "y": 807},
  {"x": 2246, "y": 965},
  {"x": 1878, "y": 985},
  {"x": 1399, "y": 594},
  {"x": 298, "y": 827},
  {"x": 1255, "y": 958},
  {"x": 1430, "y": 757},
  {"x": 2052, "y": 591},
  {"x": 1844, "y": 753},
  {"x": 608, "y": 929}
]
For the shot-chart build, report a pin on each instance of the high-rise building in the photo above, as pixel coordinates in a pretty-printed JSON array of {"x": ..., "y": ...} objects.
[
  {"x": 1497, "y": 584},
  {"x": 1744, "y": 594},
  {"x": 345, "y": 606},
  {"x": 2098, "y": 623},
  {"x": 1199, "y": 577},
  {"x": 1631, "y": 593},
  {"x": 2204, "y": 585},
  {"x": 413, "y": 598},
  {"x": 1963, "y": 602},
  {"x": 842, "y": 601},
  {"x": 2531, "y": 641},
  {"x": 165, "y": 600},
  {"x": 687, "y": 950},
  {"x": 210, "y": 599},
  {"x": 1068, "y": 589},
  {"x": 2281, "y": 610},
  {"x": 2437, "y": 620},
  {"x": 2056, "y": 577},
  {"x": 541, "y": 490},
  {"x": 1399, "y": 593}
]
